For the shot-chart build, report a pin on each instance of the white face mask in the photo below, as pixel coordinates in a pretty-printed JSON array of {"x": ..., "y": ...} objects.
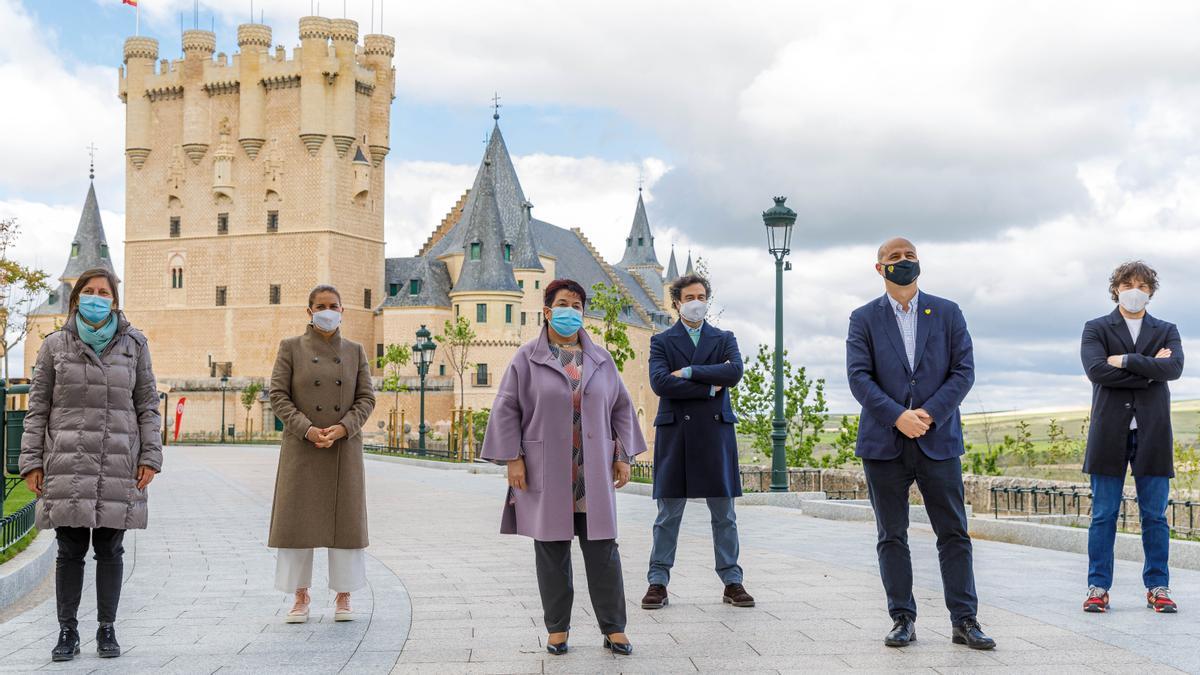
[
  {"x": 694, "y": 310},
  {"x": 327, "y": 320},
  {"x": 1133, "y": 300}
]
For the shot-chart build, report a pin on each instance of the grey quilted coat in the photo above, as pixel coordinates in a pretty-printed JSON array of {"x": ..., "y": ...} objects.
[{"x": 93, "y": 419}]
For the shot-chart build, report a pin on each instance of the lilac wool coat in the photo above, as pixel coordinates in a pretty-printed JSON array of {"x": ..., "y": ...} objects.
[{"x": 532, "y": 415}]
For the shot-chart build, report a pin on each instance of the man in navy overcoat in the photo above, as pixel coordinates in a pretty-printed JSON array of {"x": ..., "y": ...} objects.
[
  {"x": 692, "y": 366},
  {"x": 909, "y": 361}
]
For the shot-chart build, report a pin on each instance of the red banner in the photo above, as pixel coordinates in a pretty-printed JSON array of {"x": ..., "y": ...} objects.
[{"x": 179, "y": 415}]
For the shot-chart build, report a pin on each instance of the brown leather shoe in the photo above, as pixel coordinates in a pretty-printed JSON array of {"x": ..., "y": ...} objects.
[
  {"x": 736, "y": 595},
  {"x": 655, "y": 598}
]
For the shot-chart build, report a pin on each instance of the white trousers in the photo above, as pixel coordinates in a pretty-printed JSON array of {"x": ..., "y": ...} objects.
[{"x": 347, "y": 569}]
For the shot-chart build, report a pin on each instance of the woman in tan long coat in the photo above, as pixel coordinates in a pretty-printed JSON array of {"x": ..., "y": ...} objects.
[{"x": 321, "y": 390}]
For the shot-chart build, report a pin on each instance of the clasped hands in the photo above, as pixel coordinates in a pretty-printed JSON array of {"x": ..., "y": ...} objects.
[
  {"x": 1117, "y": 359},
  {"x": 914, "y": 423},
  {"x": 516, "y": 474},
  {"x": 324, "y": 438}
]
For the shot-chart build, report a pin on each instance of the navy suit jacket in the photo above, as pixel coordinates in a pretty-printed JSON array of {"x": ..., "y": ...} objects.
[
  {"x": 881, "y": 380},
  {"x": 695, "y": 446}
]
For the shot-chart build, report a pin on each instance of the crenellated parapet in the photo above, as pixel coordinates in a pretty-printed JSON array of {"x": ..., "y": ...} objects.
[{"x": 201, "y": 43}]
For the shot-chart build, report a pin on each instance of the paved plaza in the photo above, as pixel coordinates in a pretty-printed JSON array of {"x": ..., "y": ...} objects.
[{"x": 449, "y": 595}]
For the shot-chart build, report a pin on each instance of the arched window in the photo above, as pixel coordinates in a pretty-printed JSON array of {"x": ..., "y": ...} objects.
[{"x": 176, "y": 266}]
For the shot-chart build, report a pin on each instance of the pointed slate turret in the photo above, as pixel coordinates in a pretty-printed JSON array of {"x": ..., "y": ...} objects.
[
  {"x": 690, "y": 270},
  {"x": 89, "y": 248},
  {"x": 485, "y": 267},
  {"x": 510, "y": 201},
  {"x": 672, "y": 268},
  {"x": 639, "y": 245}
]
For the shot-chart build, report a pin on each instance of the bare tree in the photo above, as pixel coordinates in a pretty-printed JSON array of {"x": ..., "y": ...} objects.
[
  {"x": 20, "y": 290},
  {"x": 456, "y": 339}
]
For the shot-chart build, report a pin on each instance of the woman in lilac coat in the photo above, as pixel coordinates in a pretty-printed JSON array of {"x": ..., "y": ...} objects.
[{"x": 565, "y": 426}]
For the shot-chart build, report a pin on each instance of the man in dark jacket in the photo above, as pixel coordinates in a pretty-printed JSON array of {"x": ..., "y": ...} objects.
[
  {"x": 1130, "y": 356},
  {"x": 692, "y": 366},
  {"x": 910, "y": 364}
]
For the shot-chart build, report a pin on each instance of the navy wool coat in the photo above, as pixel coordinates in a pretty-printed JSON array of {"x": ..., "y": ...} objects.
[
  {"x": 1139, "y": 389},
  {"x": 695, "y": 447},
  {"x": 882, "y": 381}
]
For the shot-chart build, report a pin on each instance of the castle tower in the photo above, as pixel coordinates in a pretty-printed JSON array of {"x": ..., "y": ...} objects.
[
  {"x": 639, "y": 257},
  {"x": 89, "y": 249},
  {"x": 235, "y": 204}
]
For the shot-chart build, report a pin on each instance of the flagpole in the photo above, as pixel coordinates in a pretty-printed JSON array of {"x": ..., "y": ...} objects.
[{"x": 137, "y": 19}]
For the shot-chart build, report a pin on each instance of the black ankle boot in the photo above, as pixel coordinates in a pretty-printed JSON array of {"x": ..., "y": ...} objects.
[
  {"x": 68, "y": 645},
  {"x": 106, "y": 641}
]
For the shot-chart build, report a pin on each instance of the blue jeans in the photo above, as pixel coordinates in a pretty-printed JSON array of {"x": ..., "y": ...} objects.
[
  {"x": 1152, "y": 495},
  {"x": 666, "y": 536}
]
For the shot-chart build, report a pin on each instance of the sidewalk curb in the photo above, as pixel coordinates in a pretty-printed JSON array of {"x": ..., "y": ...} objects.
[{"x": 27, "y": 570}]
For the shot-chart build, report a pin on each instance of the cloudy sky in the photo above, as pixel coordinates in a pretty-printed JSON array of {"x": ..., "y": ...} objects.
[{"x": 1027, "y": 147}]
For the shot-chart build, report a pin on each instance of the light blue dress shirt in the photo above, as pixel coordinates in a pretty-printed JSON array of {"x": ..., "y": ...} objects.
[{"x": 907, "y": 321}]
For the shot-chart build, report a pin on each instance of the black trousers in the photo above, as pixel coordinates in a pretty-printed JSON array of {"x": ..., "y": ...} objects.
[
  {"x": 606, "y": 585},
  {"x": 941, "y": 486},
  {"x": 68, "y": 586}
]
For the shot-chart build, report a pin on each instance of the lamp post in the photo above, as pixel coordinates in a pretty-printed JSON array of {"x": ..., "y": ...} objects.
[
  {"x": 224, "y": 386},
  {"x": 779, "y": 220},
  {"x": 424, "y": 350}
]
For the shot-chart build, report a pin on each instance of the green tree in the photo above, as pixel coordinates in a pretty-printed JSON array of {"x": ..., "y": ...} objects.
[
  {"x": 21, "y": 289},
  {"x": 249, "y": 396},
  {"x": 456, "y": 340},
  {"x": 612, "y": 301},
  {"x": 754, "y": 402},
  {"x": 394, "y": 358},
  {"x": 1020, "y": 446},
  {"x": 843, "y": 444}
]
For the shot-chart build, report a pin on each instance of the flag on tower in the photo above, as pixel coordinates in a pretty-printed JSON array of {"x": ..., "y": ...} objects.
[{"x": 132, "y": 3}]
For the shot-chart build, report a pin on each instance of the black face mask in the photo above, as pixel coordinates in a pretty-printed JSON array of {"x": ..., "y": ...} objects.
[{"x": 902, "y": 273}]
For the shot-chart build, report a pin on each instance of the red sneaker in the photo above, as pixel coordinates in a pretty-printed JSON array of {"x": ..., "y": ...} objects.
[
  {"x": 1097, "y": 600},
  {"x": 1159, "y": 600}
]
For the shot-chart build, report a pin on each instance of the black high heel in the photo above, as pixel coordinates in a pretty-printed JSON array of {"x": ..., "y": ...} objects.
[
  {"x": 618, "y": 648},
  {"x": 557, "y": 649}
]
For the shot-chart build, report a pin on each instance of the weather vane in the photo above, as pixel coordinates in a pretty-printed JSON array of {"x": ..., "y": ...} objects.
[
  {"x": 496, "y": 105},
  {"x": 91, "y": 148}
]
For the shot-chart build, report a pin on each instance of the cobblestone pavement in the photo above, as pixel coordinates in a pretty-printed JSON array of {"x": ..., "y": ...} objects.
[{"x": 450, "y": 595}]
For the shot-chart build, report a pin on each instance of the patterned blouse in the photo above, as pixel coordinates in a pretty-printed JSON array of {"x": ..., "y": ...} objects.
[{"x": 571, "y": 360}]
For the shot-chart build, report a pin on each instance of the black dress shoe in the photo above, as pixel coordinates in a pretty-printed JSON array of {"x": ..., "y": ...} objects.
[
  {"x": 68, "y": 645},
  {"x": 968, "y": 632},
  {"x": 618, "y": 648},
  {"x": 106, "y": 642},
  {"x": 903, "y": 632},
  {"x": 556, "y": 648}
]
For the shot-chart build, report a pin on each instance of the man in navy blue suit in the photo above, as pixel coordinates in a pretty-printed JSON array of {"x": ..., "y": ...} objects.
[
  {"x": 909, "y": 362},
  {"x": 692, "y": 366}
]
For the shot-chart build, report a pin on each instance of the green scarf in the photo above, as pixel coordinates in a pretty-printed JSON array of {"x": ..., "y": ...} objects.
[{"x": 97, "y": 338}]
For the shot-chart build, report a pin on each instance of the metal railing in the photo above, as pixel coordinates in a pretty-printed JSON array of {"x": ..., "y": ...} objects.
[
  {"x": 1182, "y": 516},
  {"x": 14, "y": 527},
  {"x": 435, "y": 451}
]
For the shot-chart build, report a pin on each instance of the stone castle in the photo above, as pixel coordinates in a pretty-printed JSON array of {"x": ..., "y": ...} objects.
[{"x": 251, "y": 179}]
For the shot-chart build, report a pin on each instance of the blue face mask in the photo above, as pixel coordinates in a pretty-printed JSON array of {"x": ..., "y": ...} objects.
[
  {"x": 566, "y": 321},
  {"x": 94, "y": 308}
]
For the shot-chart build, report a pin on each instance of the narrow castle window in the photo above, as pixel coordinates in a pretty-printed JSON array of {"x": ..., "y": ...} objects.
[
  {"x": 174, "y": 226},
  {"x": 75, "y": 250},
  {"x": 366, "y": 298},
  {"x": 521, "y": 284},
  {"x": 481, "y": 313},
  {"x": 442, "y": 369},
  {"x": 272, "y": 221},
  {"x": 508, "y": 314},
  {"x": 103, "y": 250},
  {"x": 222, "y": 223},
  {"x": 221, "y": 295},
  {"x": 393, "y": 289},
  {"x": 274, "y": 296},
  {"x": 508, "y": 253},
  {"x": 641, "y": 241},
  {"x": 481, "y": 375},
  {"x": 176, "y": 277},
  {"x": 414, "y": 287},
  {"x": 476, "y": 250}
]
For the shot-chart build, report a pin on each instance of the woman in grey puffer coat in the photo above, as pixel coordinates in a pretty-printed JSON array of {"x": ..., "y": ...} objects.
[{"x": 91, "y": 446}]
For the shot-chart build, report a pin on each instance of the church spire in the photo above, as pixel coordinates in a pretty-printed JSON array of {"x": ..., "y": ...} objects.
[
  {"x": 639, "y": 245},
  {"x": 690, "y": 270},
  {"x": 89, "y": 248},
  {"x": 672, "y": 267},
  {"x": 487, "y": 260}
]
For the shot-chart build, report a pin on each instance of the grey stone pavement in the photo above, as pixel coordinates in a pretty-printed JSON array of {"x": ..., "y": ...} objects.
[{"x": 449, "y": 595}]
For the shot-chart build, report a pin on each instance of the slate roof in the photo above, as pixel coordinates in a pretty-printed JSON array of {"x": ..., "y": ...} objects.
[
  {"x": 510, "y": 200},
  {"x": 89, "y": 249},
  {"x": 639, "y": 245},
  {"x": 490, "y": 272},
  {"x": 672, "y": 267},
  {"x": 434, "y": 277},
  {"x": 690, "y": 269}
]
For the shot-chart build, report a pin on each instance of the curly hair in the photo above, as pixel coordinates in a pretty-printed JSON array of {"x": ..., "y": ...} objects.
[
  {"x": 1134, "y": 270},
  {"x": 686, "y": 280}
]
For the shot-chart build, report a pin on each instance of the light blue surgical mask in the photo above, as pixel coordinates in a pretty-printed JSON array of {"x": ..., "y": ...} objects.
[
  {"x": 566, "y": 321},
  {"x": 94, "y": 308}
]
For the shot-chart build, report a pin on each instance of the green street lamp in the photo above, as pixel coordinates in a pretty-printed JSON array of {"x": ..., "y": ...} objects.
[
  {"x": 423, "y": 348},
  {"x": 224, "y": 386},
  {"x": 779, "y": 220}
]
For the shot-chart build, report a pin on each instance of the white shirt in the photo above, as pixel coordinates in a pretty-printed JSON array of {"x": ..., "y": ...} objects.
[{"x": 1135, "y": 329}]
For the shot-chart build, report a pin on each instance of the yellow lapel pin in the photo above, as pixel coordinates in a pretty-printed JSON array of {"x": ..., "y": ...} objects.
[{"x": 928, "y": 312}]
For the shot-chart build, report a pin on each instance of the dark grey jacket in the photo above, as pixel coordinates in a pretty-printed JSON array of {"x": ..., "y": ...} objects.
[{"x": 93, "y": 419}]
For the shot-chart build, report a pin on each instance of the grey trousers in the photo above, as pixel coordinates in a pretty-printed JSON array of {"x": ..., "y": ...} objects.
[{"x": 606, "y": 585}]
